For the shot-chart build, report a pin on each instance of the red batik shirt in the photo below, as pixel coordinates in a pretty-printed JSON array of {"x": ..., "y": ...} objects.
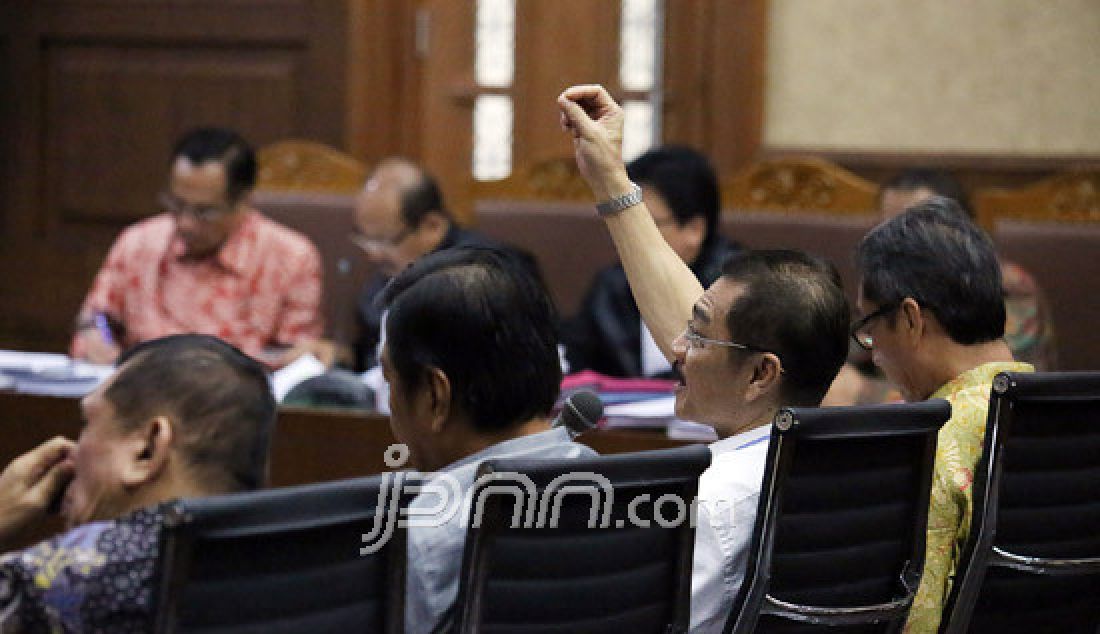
[{"x": 262, "y": 288}]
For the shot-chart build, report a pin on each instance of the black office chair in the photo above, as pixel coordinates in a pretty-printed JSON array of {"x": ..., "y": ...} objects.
[
  {"x": 839, "y": 540},
  {"x": 283, "y": 561},
  {"x": 577, "y": 556},
  {"x": 1032, "y": 560}
]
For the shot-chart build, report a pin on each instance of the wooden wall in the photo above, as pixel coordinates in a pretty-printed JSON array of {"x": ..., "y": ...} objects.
[{"x": 93, "y": 94}]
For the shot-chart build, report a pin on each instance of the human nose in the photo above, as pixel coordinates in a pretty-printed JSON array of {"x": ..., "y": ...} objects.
[
  {"x": 187, "y": 221},
  {"x": 680, "y": 344}
]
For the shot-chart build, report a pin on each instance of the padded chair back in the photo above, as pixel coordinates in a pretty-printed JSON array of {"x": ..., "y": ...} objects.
[
  {"x": 1032, "y": 563},
  {"x": 839, "y": 539},
  {"x": 327, "y": 220},
  {"x": 584, "y": 546},
  {"x": 567, "y": 239},
  {"x": 833, "y": 237},
  {"x": 283, "y": 561}
]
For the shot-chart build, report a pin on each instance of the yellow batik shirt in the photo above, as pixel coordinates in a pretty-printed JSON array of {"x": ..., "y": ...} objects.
[{"x": 958, "y": 449}]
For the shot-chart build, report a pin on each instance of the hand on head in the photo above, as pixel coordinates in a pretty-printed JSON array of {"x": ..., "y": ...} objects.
[
  {"x": 31, "y": 484},
  {"x": 596, "y": 122}
]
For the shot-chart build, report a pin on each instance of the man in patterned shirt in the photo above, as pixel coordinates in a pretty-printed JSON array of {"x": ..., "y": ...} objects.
[
  {"x": 934, "y": 321},
  {"x": 183, "y": 416},
  {"x": 1028, "y": 328},
  {"x": 209, "y": 264}
]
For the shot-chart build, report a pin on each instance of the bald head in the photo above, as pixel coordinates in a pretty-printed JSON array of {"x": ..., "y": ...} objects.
[
  {"x": 399, "y": 214},
  {"x": 394, "y": 172}
]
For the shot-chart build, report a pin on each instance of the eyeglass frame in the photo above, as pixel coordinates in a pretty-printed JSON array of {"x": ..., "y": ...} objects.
[
  {"x": 171, "y": 204},
  {"x": 696, "y": 339},
  {"x": 381, "y": 244},
  {"x": 861, "y": 323}
]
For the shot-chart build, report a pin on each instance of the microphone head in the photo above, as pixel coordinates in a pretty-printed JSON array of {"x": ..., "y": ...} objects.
[{"x": 581, "y": 412}]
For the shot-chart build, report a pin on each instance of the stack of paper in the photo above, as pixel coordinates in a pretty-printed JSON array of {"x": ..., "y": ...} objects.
[
  {"x": 656, "y": 413},
  {"x": 49, "y": 374}
]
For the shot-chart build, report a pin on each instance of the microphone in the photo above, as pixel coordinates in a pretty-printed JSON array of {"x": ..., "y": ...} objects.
[{"x": 580, "y": 413}]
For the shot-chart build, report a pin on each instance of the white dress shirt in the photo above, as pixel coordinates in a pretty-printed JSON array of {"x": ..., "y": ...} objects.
[{"x": 729, "y": 492}]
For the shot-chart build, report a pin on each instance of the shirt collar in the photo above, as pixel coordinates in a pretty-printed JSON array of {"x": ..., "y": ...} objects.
[
  {"x": 743, "y": 440},
  {"x": 234, "y": 252},
  {"x": 522, "y": 444},
  {"x": 979, "y": 375}
]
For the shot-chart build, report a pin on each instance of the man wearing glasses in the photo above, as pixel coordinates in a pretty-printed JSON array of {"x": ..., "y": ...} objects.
[
  {"x": 209, "y": 264},
  {"x": 934, "y": 322},
  {"x": 399, "y": 217},
  {"x": 771, "y": 331}
]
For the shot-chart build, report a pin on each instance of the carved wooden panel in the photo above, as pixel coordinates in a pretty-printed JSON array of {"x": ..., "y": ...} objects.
[
  {"x": 555, "y": 179},
  {"x": 1069, "y": 197},
  {"x": 112, "y": 113},
  {"x": 308, "y": 166},
  {"x": 799, "y": 184}
]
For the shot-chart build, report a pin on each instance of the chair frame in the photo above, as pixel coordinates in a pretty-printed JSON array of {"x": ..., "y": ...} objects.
[
  {"x": 475, "y": 574},
  {"x": 179, "y": 537},
  {"x": 788, "y": 425},
  {"x": 981, "y": 552}
]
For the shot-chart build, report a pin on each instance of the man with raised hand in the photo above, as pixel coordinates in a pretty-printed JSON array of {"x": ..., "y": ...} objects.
[{"x": 771, "y": 331}]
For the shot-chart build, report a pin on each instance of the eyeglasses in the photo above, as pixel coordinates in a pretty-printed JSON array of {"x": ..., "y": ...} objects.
[
  {"x": 380, "y": 244},
  {"x": 203, "y": 213},
  {"x": 698, "y": 342},
  {"x": 859, "y": 332}
]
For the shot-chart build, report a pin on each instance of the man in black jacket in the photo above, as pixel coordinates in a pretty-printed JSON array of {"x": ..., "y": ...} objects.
[
  {"x": 681, "y": 191},
  {"x": 399, "y": 216}
]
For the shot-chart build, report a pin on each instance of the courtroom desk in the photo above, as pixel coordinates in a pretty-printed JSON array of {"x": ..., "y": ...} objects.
[
  {"x": 317, "y": 444},
  {"x": 310, "y": 444}
]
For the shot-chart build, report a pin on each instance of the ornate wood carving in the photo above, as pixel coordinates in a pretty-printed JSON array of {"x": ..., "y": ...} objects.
[
  {"x": 799, "y": 184},
  {"x": 1068, "y": 197},
  {"x": 307, "y": 166},
  {"x": 555, "y": 179}
]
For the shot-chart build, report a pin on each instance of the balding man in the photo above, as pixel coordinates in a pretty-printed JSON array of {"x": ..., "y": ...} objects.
[
  {"x": 399, "y": 216},
  {"x": 182, "y": 416}
]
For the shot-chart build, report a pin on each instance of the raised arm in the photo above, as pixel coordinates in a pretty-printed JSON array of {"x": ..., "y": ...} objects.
[{"x": 664, "y": 287}]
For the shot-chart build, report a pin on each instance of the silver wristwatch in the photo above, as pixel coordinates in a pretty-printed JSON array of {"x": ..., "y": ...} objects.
[{"x": 619, "y": 203}]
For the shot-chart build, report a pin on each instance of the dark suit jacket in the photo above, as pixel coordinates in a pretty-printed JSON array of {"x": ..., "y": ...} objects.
[
  {"x": 369, "y": 311},
  {"x": 605, "y": 335}
]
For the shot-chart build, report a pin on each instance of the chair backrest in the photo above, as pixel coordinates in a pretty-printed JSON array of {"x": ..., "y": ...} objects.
[
  {"x": 595, "y": 545},
  {"x": 833, "y": 237},
  {"x": 284, "y": 561},
  {"x": 840, "y": 531},
  {"x": 327, "y": 220},
  {"x": 296, "y": 165},
  {"x": 1032, "y": 560},
  {"x": 567, "y": 239}
]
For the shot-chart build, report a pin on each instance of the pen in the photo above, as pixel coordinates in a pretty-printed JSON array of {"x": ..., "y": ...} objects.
[{"x": 104, "y": 328}]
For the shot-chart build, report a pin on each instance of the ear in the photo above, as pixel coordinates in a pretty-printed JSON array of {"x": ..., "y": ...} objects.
[
  {"x": 244, "y": 201},
  {"x": 434, "y": 222},
  {"x": 911, "y": 320},
  {"x": 767, "y": 373},
  {"x": 147, "y": 451},
  {"x": 696, "y": 229},
  {"x": 438, "y": 395}
]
